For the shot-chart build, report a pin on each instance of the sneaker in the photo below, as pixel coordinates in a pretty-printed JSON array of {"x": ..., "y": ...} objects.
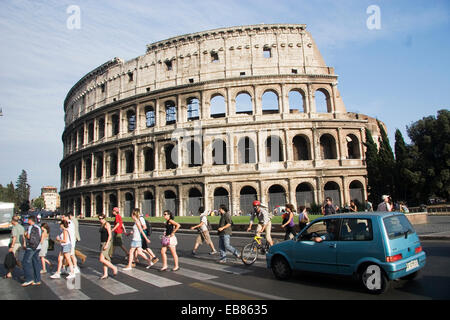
[
  {"x": 194, "y": 253},
  {"x": 76, "y": 270},
  {"x": 26, "y": 284},
  {"x": 36, "y": 283},
  {"x": 56, "y": 276},
  {"x": 71, "y": 276},
  {"x": 213, "y": 252},
  {"x": 127, "y": 269},
  {"x": 43, "y": 271},
  {"x": 222, "y": 261}
]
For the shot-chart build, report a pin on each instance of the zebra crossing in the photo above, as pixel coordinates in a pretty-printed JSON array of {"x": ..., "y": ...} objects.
[{"x": 190, "y": 269}]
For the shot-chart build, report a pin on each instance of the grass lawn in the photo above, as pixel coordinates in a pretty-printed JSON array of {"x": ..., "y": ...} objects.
[{"x": 212, "y": 220}]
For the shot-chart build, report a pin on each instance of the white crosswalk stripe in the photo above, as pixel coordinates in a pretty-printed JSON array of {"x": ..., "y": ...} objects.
[
  {"x": 213, "y": 266},
  {"x": 148, "y": 277},
  {"x": 61, "y": 289},
  {"x": 111, "y": 285}
]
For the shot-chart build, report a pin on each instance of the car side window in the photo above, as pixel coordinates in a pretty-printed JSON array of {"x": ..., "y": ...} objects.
[
  {"x": 355, "y": 229},
  {"x": 325, "y": 228}
]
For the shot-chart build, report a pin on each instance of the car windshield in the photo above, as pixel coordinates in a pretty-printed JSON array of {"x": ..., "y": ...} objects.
[{"x": 398, "y": 226}]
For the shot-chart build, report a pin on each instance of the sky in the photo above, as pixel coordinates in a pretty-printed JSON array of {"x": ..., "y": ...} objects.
[{"x": 397, "y": 72}]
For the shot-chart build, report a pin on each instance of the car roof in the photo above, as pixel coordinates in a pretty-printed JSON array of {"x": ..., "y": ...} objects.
[{"x": 362, "y": 214}]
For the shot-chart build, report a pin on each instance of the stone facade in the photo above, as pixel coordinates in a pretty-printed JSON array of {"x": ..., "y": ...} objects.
[
  {"x": 171, "y": 128},
  {"x": 51, "y": 198}
]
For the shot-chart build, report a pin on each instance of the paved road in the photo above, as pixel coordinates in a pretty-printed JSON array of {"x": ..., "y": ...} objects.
[{"x": 200, "y": 278}]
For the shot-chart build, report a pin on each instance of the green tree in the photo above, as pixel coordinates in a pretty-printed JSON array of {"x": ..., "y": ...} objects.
[
  {"x": 39, "y": 203},
  {"x": 373, "y": 172},
  {"x": 23, "y": 192},
  {"x": 431, "y": 137},
  {"x": 386, "y": 162}
]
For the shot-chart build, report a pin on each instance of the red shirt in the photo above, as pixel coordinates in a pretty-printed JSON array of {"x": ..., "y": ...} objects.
[{"x": 119, "y": 222}]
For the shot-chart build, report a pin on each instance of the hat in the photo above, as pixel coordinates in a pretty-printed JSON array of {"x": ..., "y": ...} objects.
[
  {"x": 115, "y": 209},
  {"x": 384, "y": 196}
]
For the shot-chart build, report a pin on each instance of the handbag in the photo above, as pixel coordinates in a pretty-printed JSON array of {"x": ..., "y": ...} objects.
[
  {"x": 165, "y": 241},
  {"x": 10, "y": 261}
]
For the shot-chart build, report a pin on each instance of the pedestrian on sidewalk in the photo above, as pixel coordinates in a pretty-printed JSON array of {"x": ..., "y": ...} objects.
[
  {"x": 118, "y": 230},
  {"x": 203, "y": 230},
  {"x": 32, "y": 246},
  {"x": 136, "y": 242},
  {"x": 224, "y": 231},
  {"x": 171, "y": 228},
  {"x": 288, "y": 222},
  {"x": 45, "y": 231},
  {"x": 105, "y": 244},
  {"x": 15, "y": 243},
  {"x": 66, "y": 248}
]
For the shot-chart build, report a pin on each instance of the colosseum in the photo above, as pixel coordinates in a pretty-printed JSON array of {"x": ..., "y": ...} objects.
[{"x": 223, "y": 116}]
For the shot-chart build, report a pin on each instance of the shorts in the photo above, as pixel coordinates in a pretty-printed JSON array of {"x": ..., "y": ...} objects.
[
  {"x": 117, "y": 240},
  {"x": 173, "y": 242},
  {"x": 203, "y": 237},
  {"x": 66, "y": 248},
  {"x": 136, "y": 244},
  {"x": 16, "y": 250}
]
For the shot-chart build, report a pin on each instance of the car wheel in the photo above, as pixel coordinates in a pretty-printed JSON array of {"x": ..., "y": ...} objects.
[
  {"x": 373, "y": 279},
  {"x": 281, "y": 268}
]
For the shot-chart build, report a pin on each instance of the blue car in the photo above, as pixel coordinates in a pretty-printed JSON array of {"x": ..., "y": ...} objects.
[{"x": 374, "y": 247}]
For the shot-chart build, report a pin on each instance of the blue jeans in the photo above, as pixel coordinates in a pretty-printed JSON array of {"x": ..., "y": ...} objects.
[
  {"x": 224, "y": 244},
  {"x": 31, "y": 265}
]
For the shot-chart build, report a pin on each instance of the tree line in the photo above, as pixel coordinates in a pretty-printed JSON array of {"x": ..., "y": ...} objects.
[
  {"x": 419, "y": 171},
  {"x": 19, "y": 194}
]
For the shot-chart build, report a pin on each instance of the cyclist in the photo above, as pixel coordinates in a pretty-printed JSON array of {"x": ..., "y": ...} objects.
[{"x": 264, "y": 220}]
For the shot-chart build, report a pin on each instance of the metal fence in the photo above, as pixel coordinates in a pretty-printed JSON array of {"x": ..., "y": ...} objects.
[
  {"x": 335, "y": 195},
  {"x": 276, "y": 199},
  {"x": 304, "y": 198}
]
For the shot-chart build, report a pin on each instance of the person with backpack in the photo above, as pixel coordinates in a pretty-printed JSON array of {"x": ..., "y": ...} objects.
[
  {"x": 203, "y": 229},
  {"x": 32, "y": 246}
]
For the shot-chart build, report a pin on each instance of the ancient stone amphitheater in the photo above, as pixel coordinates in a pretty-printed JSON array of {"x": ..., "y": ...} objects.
[{"x": 223, "y": 116}]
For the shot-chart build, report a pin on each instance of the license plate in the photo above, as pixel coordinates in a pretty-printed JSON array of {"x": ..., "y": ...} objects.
[{"x": 412, "y": 265}]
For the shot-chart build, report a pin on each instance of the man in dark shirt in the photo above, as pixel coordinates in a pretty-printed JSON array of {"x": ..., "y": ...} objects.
[
  {"x": 224, "y": 232},
  {"x": 329, "y": 208}
]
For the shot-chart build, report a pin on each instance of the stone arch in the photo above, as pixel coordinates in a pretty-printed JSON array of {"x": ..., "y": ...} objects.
[
  {"x": 194, "y": 154},
  {"x": 297, "y": 101},
  {"x": 128, "y": 204},
  {"x": 332, "y": 189},
  {"x": 169, "y": 156},
  {"x": 301, "y": 147},
  {"x": 148, "y": 203},
  {"x": 193, "y": 108},
  {"x": 304, "y": 194},
  {"x": 244, "y": 103},
  {"x": 131, "y": 119},
  {"x": 353, "y": 147},
  {"x": 99, "y": 204},
  {"x": 356, "y": 190},
  {"x": 274, "y": 149},
  {"x": 170, "y": 201},
  {"x": 219, "y": 152},
  {"x": 221, "y": 196},
  {"x": 322, "y": 100},
  {"x": 270, "y": 102},
  {"x": 149, "y": 159},
  {"x": 194, "y": 201},
  {"x": 246, "y": 150},
  {"x": 170, "y": 109},
  {"x": 150, "y": 116},
  {"x": 277, "y": 196},
  {"x": 218, "y": 107},
  {"x": 247, "y": 195},
  {"x": 328, "y": 148}
]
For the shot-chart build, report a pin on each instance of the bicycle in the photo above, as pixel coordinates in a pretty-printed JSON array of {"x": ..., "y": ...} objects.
[{"x": 250, "y": 251}]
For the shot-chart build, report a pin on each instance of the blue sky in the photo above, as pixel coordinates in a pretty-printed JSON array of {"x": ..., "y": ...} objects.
[{"x": 398, "y": 73}]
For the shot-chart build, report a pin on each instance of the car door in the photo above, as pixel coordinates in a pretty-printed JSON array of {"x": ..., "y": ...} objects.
[{"x": 310, "y": 255}]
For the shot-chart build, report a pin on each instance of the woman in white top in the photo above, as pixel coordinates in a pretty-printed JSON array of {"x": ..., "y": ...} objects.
[
  {"x": 66, "y": 247},
  {"x": 136, "y": 242},
  {"x": 203, "y": 235}
]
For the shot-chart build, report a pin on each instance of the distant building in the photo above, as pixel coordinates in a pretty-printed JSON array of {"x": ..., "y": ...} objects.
[{"x": 51, "y": 198}]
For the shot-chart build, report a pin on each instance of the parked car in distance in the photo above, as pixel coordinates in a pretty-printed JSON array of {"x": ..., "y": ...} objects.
[{"x": 374, "y": 248}]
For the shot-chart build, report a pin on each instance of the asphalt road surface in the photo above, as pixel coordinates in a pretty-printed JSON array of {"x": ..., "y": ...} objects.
[{"x": 201, "y": 278}]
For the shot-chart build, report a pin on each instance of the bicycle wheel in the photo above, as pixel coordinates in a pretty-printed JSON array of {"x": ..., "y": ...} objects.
[{"x": 249, "y": 253}]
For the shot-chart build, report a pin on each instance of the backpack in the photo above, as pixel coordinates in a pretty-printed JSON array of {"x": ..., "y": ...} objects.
[
  {"x": 149, "y": 230},
  {"x": 35, "y": 238}
]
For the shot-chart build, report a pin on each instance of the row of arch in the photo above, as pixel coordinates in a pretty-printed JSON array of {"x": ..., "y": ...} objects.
[
  {"x": 194, "y": 199},
  {"x": 124, "y": 162},
  {"x": 270, "y": 103}
]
